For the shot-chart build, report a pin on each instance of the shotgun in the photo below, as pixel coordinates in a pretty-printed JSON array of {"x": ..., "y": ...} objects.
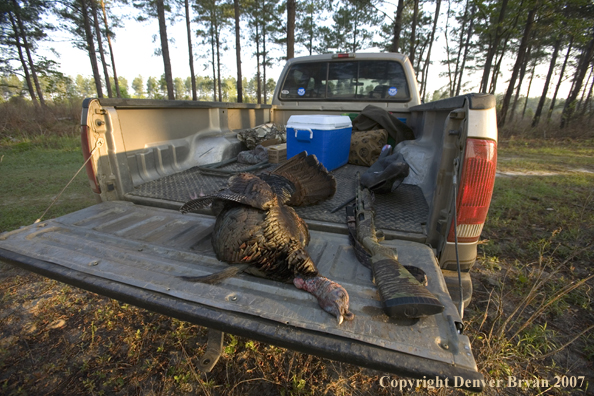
[{"x": 402, "y": 295}]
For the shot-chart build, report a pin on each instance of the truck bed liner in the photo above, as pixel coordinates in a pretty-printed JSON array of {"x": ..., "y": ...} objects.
[
  {"x": 404, "y": 210},
  {"x": 141, "y": 249}
]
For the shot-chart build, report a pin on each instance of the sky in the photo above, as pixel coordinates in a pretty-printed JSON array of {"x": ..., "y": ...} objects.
[{"x": 134, "y": 47}]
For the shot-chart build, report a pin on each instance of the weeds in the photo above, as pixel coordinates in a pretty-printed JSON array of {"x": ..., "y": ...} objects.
[
  {"x": 20, "y": 120},
  {"x": 516, "y": 326}
]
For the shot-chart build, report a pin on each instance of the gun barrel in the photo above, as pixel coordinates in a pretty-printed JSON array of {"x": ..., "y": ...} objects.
[{"x": 402, "y": 295}]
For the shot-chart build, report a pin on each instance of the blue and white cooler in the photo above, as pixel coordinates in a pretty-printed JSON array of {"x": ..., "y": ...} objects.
[{"x": 326, "y": 136}]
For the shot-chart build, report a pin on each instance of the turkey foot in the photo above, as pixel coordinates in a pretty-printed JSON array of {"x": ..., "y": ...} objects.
[{"x": 332, "y": 297}]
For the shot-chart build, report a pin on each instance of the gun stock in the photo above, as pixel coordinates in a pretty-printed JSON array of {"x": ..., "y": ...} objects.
[{"x": 401, "y": 293}]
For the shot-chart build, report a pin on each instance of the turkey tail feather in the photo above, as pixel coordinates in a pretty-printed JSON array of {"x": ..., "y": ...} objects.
[
  {"x": 243, "y": 188},
  {"x": 312, "y": 181},
  {"x": 195, "y": 204},
  {"x": 217, "y": 277}
]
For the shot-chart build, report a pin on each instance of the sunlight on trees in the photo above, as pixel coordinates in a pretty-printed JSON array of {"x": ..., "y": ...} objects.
[{"x": 492, "y": 46}]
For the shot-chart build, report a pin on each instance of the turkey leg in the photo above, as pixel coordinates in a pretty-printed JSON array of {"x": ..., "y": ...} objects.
[{"x": 332, "y": 297}]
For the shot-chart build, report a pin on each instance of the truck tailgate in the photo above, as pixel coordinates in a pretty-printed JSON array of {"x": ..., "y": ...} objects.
[{"x": 135, "y": 254}]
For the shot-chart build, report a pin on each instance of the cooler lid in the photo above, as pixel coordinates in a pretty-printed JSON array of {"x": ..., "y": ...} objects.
[{"x": 319, "y": 121}]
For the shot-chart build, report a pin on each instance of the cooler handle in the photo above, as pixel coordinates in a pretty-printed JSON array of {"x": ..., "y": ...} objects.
[{"x": 301, "y": 137}]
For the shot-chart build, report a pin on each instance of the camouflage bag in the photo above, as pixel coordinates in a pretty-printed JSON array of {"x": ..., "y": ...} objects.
[
  {"x": 366, "y": 146},
  {"x": 265, "y": 134}
]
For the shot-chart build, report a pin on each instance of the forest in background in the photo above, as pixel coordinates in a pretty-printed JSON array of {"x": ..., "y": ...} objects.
[{"x": 500, "y": 43}]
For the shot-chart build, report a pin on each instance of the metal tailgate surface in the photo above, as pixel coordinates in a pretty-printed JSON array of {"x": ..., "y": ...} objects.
[{"x": 148, "y": 248}]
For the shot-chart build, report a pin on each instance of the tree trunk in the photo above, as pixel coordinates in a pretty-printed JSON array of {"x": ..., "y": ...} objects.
[
  {"x": 214, "y": 73},
  {"x": 521, "y": 80},
  {"x": 165, "y": 49},
  {"x": 23, "y": 61},
  {"x": 581, "y": 71},
  {"x": 397, "y": 27},
  {"x": 355, "y": 24},
  {"x": 466, "y": 47},
  {"x": 460, "y": 46},
  {"x": 113, "y": 66},
  {"x": 91, "y": 47},
  {"x": 100, "y": 47},
  {"x": 428, "y": 61},
  {"x": 264, "y": 62},
  {"x": 517, "y": 65},
  {"x": 587, "y": 104},
  {"x": 413, "y": 33},
  {"x": 418, "y": 70},
  {"x": 23, "y": 34},
  {"x": 528, "y": 92},
  {"x": 495, "y": 76},
  {"x": 238, "y": 52},
  {"x": 446, "y": 35},
  {"x": 219, "y": 82},
  {"x": 552, "y": 106},
  {"x": 190, "y": 51},
  {"x": 311, "y": 33},
  {"x": 258, "y": 82},
  {"x": 588, "y": 98},
  {"x": 580, "y": 103},
  {"x": 291, "y": 6},
  {"x": 543, "y": 97},
  {"x": 493, "y": 48}
]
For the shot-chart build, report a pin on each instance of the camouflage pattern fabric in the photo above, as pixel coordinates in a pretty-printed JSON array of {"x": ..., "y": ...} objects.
[
  {"x": 265, "y": 133},
  {"x": 366, "y": 146},
  {"x": 255, "y": 156}
]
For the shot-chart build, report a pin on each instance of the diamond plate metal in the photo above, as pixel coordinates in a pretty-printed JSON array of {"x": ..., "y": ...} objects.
[{"x": 403, "y": 210}]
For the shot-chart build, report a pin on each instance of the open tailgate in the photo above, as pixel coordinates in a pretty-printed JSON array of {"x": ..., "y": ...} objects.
[{"x": 135, "y": 254}]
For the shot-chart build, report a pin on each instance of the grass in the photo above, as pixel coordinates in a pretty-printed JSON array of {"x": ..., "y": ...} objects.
[
  {"x": 531, "y": 315},
  {"x": 34, "y": 170}
]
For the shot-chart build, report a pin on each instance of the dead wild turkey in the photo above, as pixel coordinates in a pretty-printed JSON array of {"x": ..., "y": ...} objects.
[{"x": 258, "y": 232}]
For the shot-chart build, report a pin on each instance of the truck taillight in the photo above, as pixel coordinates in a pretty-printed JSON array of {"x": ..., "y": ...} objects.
[
  {"x": 343, "y": 55},
  {"x": 476, "y": 189},
  {"x": 86, "y": 149}
]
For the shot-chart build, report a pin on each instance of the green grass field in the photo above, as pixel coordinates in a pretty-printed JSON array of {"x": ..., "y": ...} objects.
[
  {"x": 531, "y": 314},
  {"x": 34, "y": 171}
]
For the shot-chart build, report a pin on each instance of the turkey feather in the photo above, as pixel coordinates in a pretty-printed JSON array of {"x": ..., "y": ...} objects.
[{"x": 257, "y": 231}]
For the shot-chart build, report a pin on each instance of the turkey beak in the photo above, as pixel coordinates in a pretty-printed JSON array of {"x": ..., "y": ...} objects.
[{"x": 339, "y": 318}]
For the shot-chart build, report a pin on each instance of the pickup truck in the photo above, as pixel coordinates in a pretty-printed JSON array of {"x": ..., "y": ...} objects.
[{"x": 147, "y": 157}]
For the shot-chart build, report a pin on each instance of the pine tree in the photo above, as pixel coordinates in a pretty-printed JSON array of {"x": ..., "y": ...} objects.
[
  {"x": 22, "y": 26},
  {"x": 108, "y": 35},
  {"x": 493, "y": 47},
  {"x": 431, "y": 40},
  {"x": 213, "y": 17},
  {"x": 291, "y": 9},
  {"x": 543, "y": 97},
  {"x": 239, "y": 80},
  {"x": 309, "y": 26},
  {"x": 585, "y": 59},
  {"x": 157, "y": 9},
  {"x": 353, "y": 27},
  {"x": 519, "y": 61},
  {"x": 76, "y": 17},
  {"x": 98, "y": 36}
]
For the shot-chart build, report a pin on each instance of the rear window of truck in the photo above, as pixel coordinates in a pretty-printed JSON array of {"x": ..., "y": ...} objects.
[{"x": 346, "y": 81}]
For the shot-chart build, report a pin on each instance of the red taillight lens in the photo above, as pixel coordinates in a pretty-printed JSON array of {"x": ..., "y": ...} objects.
[
  {"x": 343, "y": 55},
  {"x": 476, "y": 189},
  {"x": 86, "y": 149}
]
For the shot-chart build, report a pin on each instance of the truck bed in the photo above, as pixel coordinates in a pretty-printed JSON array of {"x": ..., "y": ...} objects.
[
  {"x": 402, "y": 213},
  {"x": 135, "y": 253}
]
